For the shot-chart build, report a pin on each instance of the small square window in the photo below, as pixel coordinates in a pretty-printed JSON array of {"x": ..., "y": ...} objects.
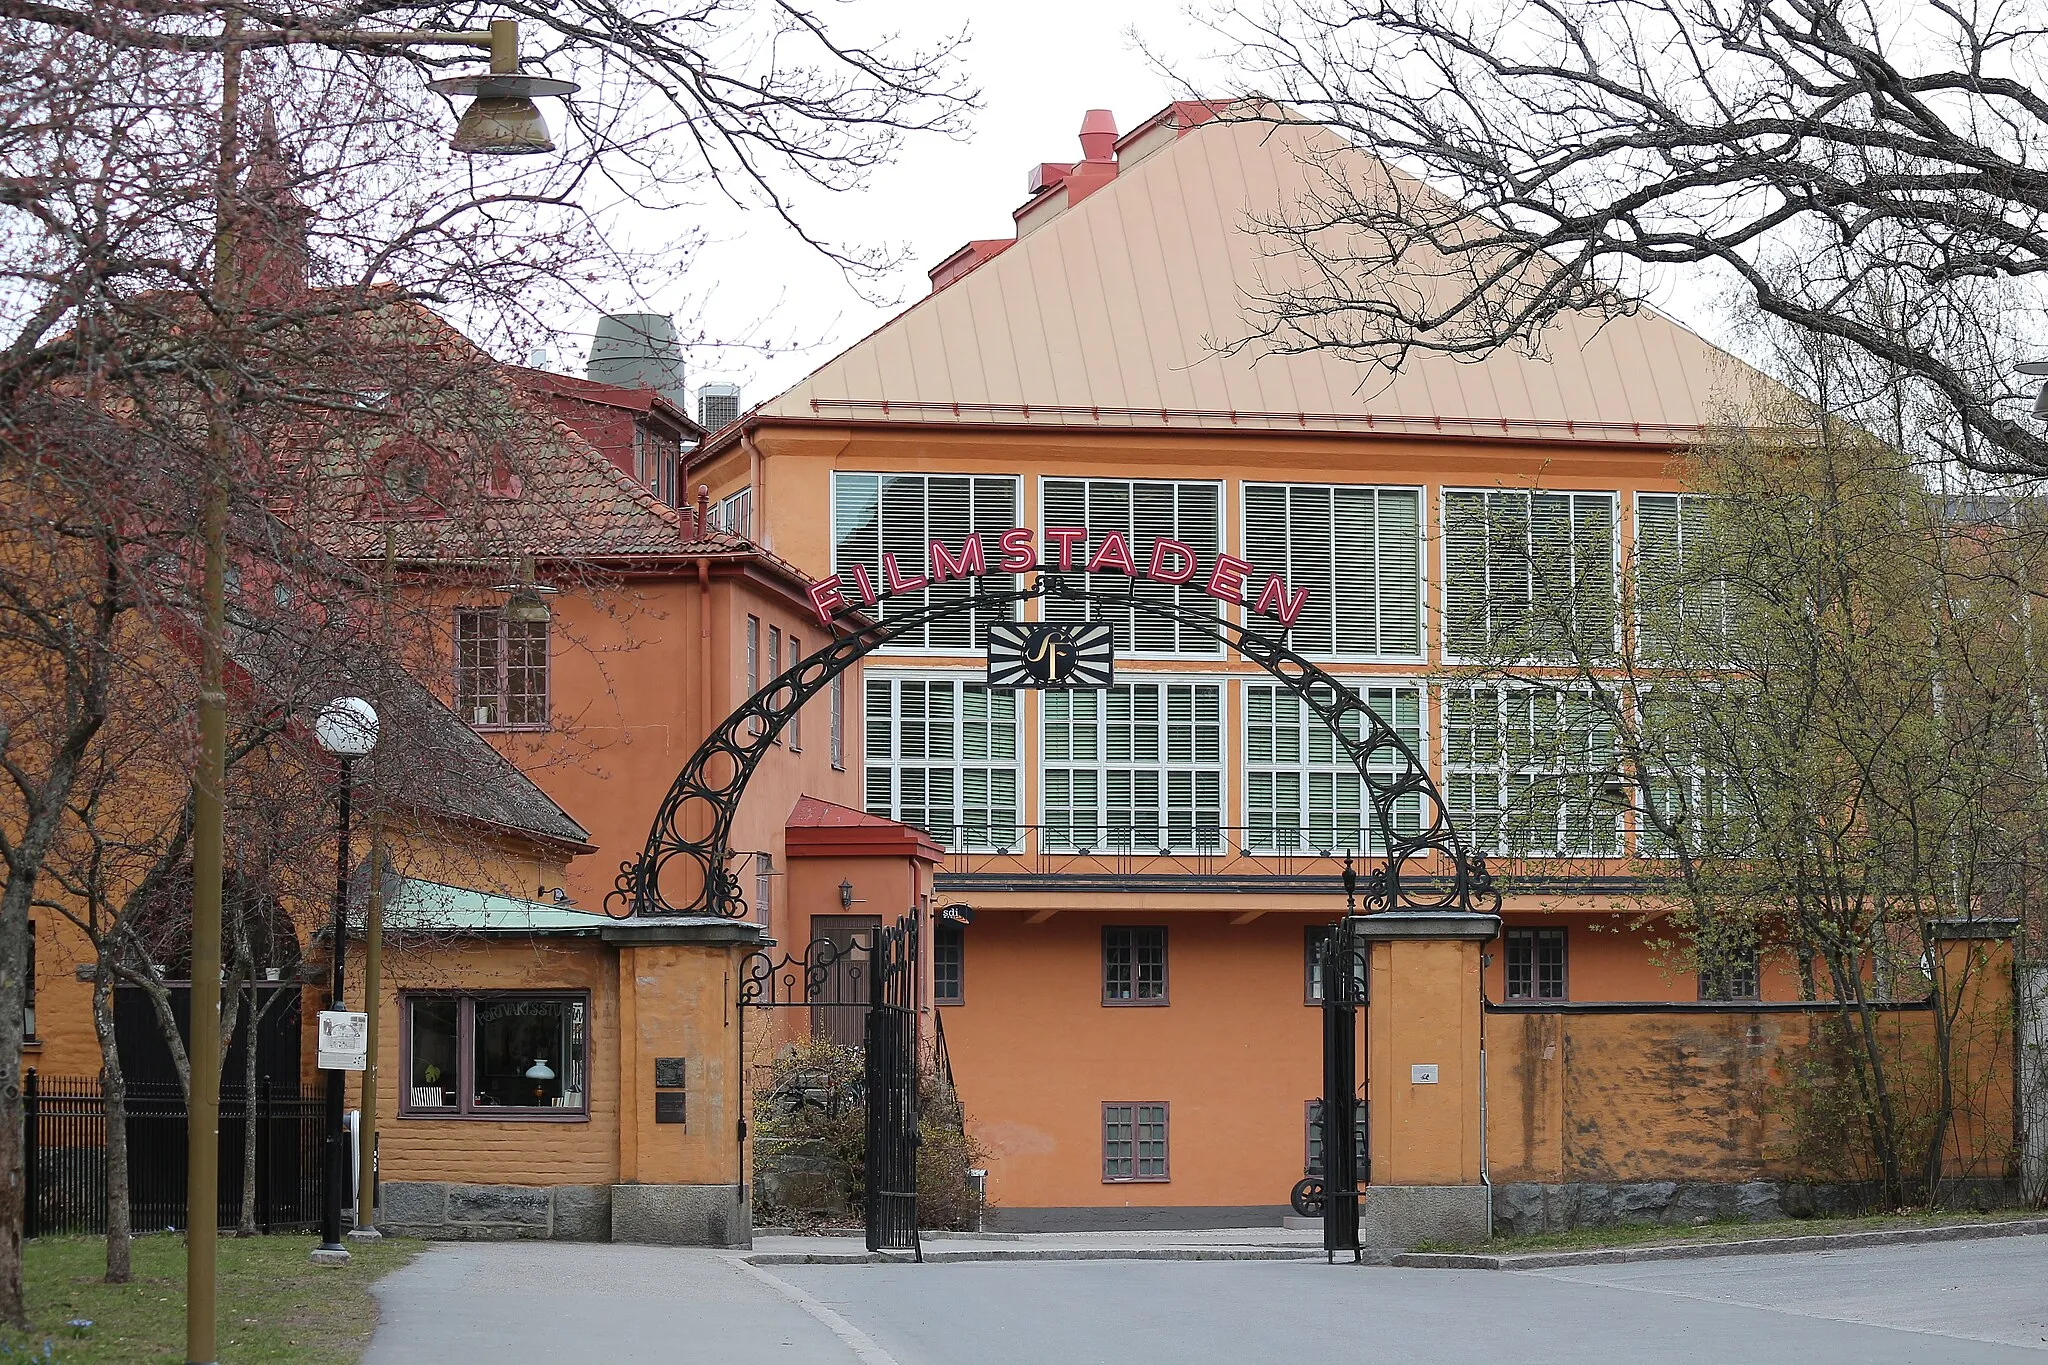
[
  {"x": 1730, "y": 974},
  {"x": 1133, "y": 1143},
  {"x": 1134, "y": 966},
  {"x": 1535, "y": 964}
]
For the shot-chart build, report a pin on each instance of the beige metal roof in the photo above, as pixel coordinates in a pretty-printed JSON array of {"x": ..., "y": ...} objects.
[{"x": 1118, "y": 310}]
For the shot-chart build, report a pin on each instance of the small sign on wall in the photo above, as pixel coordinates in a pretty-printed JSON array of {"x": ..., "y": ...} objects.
[
  {"x": 1422, "y": 1073},
  {"x": 344, "y": 1040}
]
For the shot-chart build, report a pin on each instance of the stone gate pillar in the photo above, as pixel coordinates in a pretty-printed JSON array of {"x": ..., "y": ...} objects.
[{"x": 1422, "y": 1037}]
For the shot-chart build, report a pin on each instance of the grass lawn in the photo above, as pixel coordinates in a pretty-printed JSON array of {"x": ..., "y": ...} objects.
[
  {"x": 1725, "y": 1230},
  {"x": 275, "y": 1306}
]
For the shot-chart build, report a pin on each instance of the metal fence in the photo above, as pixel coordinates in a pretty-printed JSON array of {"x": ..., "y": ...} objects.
[{"x": 66, "y": 1156}]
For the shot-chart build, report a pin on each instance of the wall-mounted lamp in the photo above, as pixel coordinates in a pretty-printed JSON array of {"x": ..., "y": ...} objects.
[
  {"x": 846, "y": 895},
  {"x": 528, "y": 596}
]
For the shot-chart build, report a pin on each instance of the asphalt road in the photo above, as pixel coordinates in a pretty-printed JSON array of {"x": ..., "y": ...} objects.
[{"x": 1959, "y": 1302}]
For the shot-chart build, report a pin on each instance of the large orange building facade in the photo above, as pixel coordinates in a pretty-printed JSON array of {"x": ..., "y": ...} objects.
[{"x": 1129, "y": 1013}]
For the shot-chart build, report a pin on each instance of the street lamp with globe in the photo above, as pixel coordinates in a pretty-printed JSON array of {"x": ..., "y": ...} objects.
[{"x": 346, "y": 728}]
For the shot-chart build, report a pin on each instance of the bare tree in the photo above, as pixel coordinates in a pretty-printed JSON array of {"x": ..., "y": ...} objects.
[{"x": 1566, "y": 156}]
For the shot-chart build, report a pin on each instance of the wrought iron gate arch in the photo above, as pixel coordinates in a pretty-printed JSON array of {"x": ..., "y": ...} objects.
[{"x": 707, "y": 792}]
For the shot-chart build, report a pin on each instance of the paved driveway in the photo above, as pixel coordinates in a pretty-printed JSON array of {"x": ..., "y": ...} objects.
[{"x": 1963, "y": 1302}]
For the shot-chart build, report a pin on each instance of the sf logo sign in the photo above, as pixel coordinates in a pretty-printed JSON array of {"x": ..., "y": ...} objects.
[{"x": 1050, "y": 656}]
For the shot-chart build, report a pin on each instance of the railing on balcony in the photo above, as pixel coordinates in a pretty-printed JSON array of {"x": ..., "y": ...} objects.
[{"x": 1164, "y": 850}]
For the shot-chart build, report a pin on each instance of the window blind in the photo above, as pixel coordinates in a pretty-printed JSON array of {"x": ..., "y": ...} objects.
[
  {"x": 1137, "y": 766},
  {"x": 1523, "y": 772},
  {"x": 901, "y": 515},
  {"x": 1681, "y": 606},
  {"x": 942, "y": 755},
  {"x": 1528, "y": 574},
  {"x": 1302, "y": 791},
  {"x": 1357, "y": 550},
  {"x": 1145, "y": 511}
]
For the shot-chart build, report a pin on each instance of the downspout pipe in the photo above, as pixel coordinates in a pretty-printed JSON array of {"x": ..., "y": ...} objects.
[{"x": 1485, "y": 1176}]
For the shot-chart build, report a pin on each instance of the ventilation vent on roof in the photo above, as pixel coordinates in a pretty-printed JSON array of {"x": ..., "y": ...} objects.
[
  {"x": 718, "y": 406},
  {"x": 638, "y": 351}
]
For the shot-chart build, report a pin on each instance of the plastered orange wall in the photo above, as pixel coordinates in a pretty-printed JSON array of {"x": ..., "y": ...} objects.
[
  {"x": 679, "y": 1000},
  {"x": 502, "y": 1151},
  {"x": 1614, "y": 955},
  {"x": 1699, "y": 1095},
  {"x": 1423, "y": 1010},
  {"x": 1235, "y": 1053},
  {"x": 628, "y": 708}
]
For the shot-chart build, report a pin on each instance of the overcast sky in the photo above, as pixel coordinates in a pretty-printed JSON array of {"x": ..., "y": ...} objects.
[{"x": 1040, "y": 65}]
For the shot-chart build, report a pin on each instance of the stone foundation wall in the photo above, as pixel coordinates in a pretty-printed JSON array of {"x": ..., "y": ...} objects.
[
  {"x": 1521, "y": 1208},
  {"x": 447, "y": 1211}
]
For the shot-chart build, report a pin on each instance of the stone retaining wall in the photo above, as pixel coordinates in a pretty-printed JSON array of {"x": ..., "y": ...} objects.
[
  {"x": 1521, "y": 1208},
  {"x": 447, "y": 1211}
]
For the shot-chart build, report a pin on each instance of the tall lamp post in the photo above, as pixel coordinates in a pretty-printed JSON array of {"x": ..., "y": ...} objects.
[
  {"x": 501, "y": 120},
  {"x": 347, "y": 729}
]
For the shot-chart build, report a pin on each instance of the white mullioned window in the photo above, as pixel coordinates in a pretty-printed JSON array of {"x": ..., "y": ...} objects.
[
  {"x": 1681, "y": 605},
  {"x": 1302, "y": 791},
  {"x": 1358, "y": 552},
  {"x": 1528, "y": 574},
  {"x": 942, "y": 754},
  {"x": 900, "y": 515},
  {"x": 1524, "y": 772},
  {"x": 1135, "y": 766},
  {"x": 1144, "y": 511}
]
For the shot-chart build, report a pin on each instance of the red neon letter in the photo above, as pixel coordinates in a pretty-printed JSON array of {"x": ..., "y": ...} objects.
[
  {"x": 826, "y": 598},
  {"x": 969, "y": 565},
  {"x": 1275, "y": 600},
  {"x": 1018, "y": 556},
  {"x": 1159, "y": 573},
  {"x": 1115, "y": 554},
  {"x": 893, "y": 579},
  {"x": 1064, "y": 537},
  {"x": 865, "y": 583},
  {"x": 1226, "y": 580}
]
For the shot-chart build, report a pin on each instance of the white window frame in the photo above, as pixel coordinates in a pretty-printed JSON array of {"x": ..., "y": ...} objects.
[
  {"x": 1248, "y": 768},
  {"x": 1443, "y": 559},
  {"x": 962, "y": 678},
  {"x": 1048, "y": 557},
  {"x": 990, "y": 551},
  {"x": 1422, "y": 614},
  {"x": 1102, "y": 763},
  {"x": 1504, "y": 775}
]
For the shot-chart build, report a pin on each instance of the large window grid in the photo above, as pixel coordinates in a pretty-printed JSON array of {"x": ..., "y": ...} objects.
[
  {"x": 1528, "y": 574},
  {"x": 1145, "y": 511},
  {"x": 1138, "y": 766},
  {"x": 1134, "y": 965},
  {"x": 1525, "y": 770},
  {"x": 900, "y": 515},
  {"x": 943, "y": 754},
  {"x": 1357, "y": 550},
  {"x": 501, "y": 671},
  {"x": 1302, "y": 791},
  {"x": 495, "y": 1054}
]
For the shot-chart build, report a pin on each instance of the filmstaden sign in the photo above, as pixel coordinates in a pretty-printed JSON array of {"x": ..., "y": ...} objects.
[{"x": 1068, "y": 547}]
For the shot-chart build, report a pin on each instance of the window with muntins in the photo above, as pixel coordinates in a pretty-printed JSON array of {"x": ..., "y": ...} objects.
[
  {"x": 1729, "y": 973},
  {"x": 1133, "y": 1142},
  {"x": 1524, "y": 769},
  {"x": 1681, "y": 604},
  {"x": 501, "y": 670},
  {"x": 1145, "y": 512},
  {"x": 1535, "y": 964},
  {"x": 754, "y": 666},
  {"x": 839, "y": 721},
  {"x": 1302, "y": 790},
  {"x": 1137, "y": 766},
  {"x": 796, "y": 717},
  {"x": 494, "y": 1055},
  {"x": 1528, "y": 575},
  {"x": 1358, "y": 552},
  {"x": 1134, "y": 965},
  {"x": 899, "y": 515},
  {"x": 734, "y": 514},
  {"x": 1312, "y": 966},
  {"x": 949, "y": 963},
  {"x": 942, "y": 754},
  {"x": 1313, "y": 1165}
]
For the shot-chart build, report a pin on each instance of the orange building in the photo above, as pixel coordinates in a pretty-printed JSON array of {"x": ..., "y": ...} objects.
[{"x": 1148, "y": 865}]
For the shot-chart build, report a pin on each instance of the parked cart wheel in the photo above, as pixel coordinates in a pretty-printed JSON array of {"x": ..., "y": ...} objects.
[{"x": 1307, "y": 1197}]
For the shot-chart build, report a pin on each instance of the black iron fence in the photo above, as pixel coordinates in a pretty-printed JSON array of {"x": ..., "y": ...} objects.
[{"x": 66, "y": 1156}]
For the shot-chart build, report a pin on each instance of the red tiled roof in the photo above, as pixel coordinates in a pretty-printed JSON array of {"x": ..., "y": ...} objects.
[{"x": 820, "y": 828}]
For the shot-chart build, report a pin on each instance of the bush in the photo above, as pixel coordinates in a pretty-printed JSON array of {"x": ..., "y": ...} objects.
[{"x": 810, "y": 1143}]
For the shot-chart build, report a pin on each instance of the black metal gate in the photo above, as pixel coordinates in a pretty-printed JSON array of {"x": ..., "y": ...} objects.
[
  {"x": 1344, "y": 987},
  {"x": 891, "y": 1205}
]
